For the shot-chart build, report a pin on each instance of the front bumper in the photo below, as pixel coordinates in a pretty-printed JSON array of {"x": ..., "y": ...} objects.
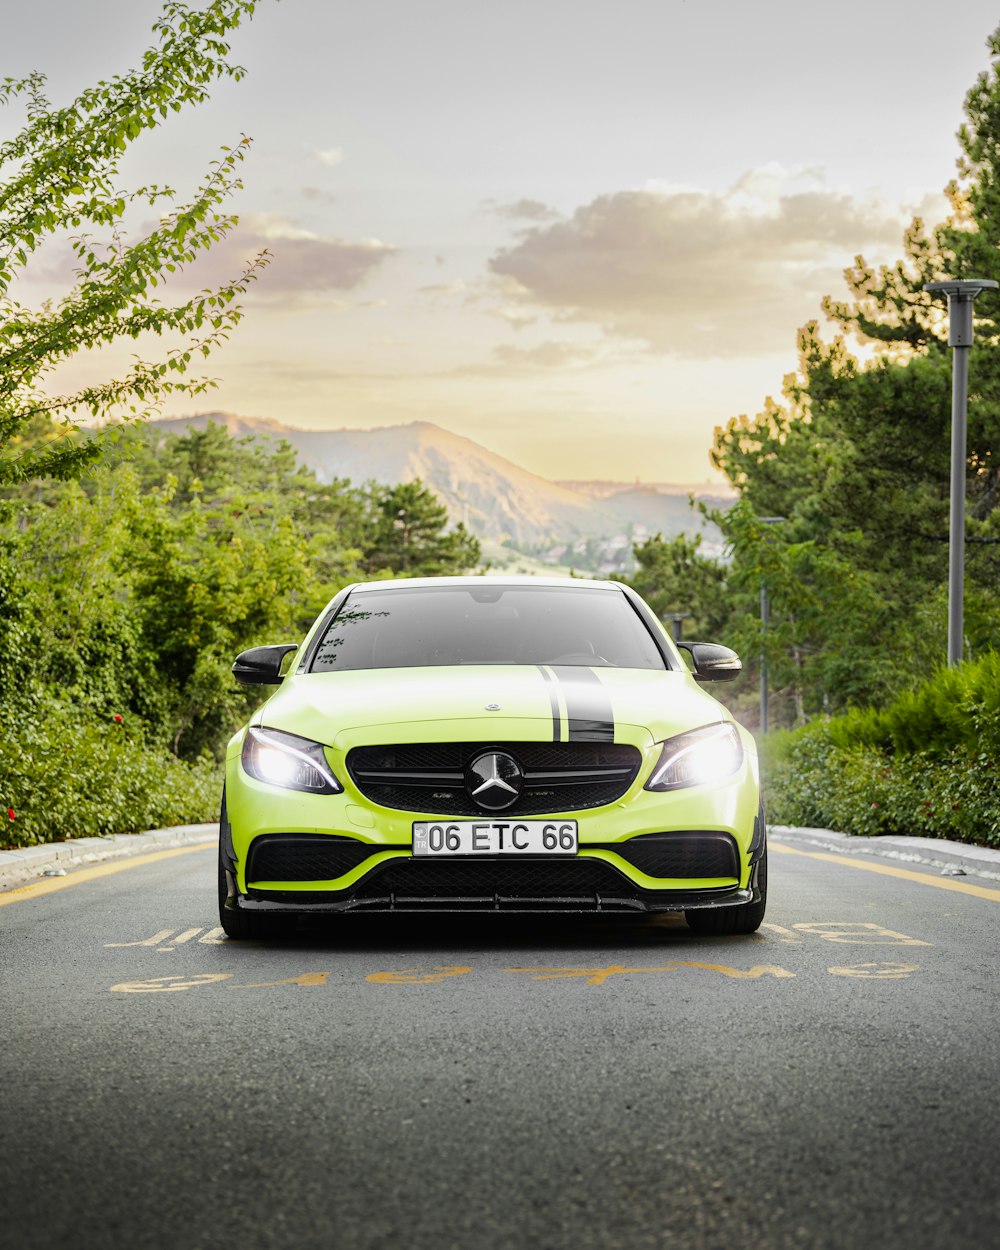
[
  {"x": 588, "y": 883},
  {"x": 384, "y": 876}
]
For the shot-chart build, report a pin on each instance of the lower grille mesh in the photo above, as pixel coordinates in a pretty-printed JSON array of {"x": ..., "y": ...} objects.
[
  {"x": 304, "y": 857},
  {"x": 417, "y": 878},
  {"x": 686, "y": 853}
]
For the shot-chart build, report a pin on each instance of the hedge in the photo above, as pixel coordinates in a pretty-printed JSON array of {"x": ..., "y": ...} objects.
[
  {"x": 64, "y": 775},
  {"x": 927, "y": 765}
]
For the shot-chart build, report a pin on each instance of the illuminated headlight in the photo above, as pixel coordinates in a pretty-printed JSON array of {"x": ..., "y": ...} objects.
[
  {"x": 698, "y": 758},
  {"x": 282, "y": 759}
]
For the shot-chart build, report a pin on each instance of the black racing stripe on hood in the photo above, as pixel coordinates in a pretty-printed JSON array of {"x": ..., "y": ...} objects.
[
  {"x": 588, "y": 704},
  {"x": 553, "y": 703}
]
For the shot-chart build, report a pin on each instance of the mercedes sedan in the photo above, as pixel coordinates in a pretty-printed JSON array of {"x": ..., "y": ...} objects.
[{"x": 478, "y": 744}]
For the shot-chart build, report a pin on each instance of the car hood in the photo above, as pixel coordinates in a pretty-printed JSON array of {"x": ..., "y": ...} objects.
[{"x": 502, "y": 702}]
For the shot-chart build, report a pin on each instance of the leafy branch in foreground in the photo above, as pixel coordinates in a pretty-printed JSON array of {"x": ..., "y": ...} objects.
[{"x": 58, "y": 186}]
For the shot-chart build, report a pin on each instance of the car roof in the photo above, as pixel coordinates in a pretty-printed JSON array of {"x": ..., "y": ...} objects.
[{"x": 486, "y": 580}]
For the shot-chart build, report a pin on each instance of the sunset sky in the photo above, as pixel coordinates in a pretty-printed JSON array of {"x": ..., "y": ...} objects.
[{"x": 581, "y": 232}]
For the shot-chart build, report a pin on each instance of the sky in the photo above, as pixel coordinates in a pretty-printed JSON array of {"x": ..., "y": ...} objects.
[{"x": 583, "y": 233}]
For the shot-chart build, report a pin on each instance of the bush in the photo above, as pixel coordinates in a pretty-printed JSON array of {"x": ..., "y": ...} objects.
[
  {"x": 67, "y": 777},
  {"x": 925, "y": 766},
  {"x": 958, "y": 705}
]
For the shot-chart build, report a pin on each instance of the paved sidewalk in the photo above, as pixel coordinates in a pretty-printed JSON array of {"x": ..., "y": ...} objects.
[
  {"x": 953, "y": 858},
  {"x": 55, "y": 858}
]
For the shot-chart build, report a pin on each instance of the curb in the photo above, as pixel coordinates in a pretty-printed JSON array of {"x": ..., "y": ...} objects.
[
  {"x": 954, "y": 858},
  {"x": 55, "y": 858}
]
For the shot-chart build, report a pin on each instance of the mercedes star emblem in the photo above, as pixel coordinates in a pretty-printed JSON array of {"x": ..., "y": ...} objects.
[{"x": 494, "y": 780}]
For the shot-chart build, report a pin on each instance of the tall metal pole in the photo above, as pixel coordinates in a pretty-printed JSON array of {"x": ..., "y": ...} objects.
[
  {"x": 961, "y": 295},
  {"x": 765, "y": 616},
  {"x": 956, "y": 514},
  {"x": 676, "y": 619}
]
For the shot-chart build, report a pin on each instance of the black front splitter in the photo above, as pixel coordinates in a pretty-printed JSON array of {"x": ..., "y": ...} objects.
[{"x": 316, "y": 903}]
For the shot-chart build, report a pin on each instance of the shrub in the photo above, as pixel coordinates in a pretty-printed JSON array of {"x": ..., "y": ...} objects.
[
  {"x": 925, "y": 766},
  {"x": 66, "y": 776}
]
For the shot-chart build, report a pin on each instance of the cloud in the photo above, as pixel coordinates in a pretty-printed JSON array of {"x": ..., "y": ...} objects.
[
  {"x": 524, "y": 210},
  {"x": 328, "y": 156},
  {"x": 318, "y": 194},
  {"x": 301, "y": 261},
  {"x": 698, "y": 273},
  {"x": 438, "y": 289},
  {"x": 550, "y": 356},
  {"x": 516, "y": 316}
]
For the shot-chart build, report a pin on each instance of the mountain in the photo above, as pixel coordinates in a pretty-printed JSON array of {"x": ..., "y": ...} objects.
[{"x": 497, "y": 499}]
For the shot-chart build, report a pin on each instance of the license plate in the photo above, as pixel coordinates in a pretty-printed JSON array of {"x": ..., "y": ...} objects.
[{"x": 495, "y": 837}]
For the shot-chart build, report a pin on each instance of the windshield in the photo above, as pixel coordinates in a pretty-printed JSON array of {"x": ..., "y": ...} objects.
[{"x": 422, "y": 627}]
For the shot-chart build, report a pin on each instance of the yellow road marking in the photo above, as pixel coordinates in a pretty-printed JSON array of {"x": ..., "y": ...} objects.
[
  {"x": 784, "y": 935},
  {"x": 876, "y": 972},
  {"x": 598, "y": 976},
  {"x": 306, "y": 978},
  {"x": 595, "y": 976},
  {"x": 186, "y": 936},
  {"x": 751, "y": 974},
  {"x": 858, "y": 933},
  {"x": 169, "y": 985},
  {"x": 155, "y": 940},
  {"x": 414, "y": 977},
  {"x": 37, "y": 888},
  {"x": 886, "y": 870}
]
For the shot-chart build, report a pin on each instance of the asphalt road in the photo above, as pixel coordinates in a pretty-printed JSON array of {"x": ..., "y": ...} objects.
[{"x": 501, "y": 1083}]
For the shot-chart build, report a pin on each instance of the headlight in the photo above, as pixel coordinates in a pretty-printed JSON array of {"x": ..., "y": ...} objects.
[
  {"x": 283, "y": 759},
  {"x": 698, "y": 758}
]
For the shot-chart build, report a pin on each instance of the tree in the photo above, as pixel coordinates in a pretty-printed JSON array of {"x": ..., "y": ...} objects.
[
  {"x": 673, "y": 576},
  {"x": 207, "y": 581},
  {"x": 856, "y": 455},
  {"x": 408, "y": 535},
  {"x": 60, "y": 185}
]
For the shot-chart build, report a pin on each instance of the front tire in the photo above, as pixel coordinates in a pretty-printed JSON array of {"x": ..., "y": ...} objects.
[{"x": 742, "y": 918}]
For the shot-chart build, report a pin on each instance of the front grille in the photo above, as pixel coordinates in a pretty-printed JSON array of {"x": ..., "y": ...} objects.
[
  {"x": 304, "y": 857},
  {"x": 530, "y": 879},
  {"x": 686, "y": 853},
  {"x": 430, "y": 777}
]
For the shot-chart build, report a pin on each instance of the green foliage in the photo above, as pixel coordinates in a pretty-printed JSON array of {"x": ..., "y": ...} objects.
[
  {"x": 208, "y": 580},
  {"x": 128, "y": 594},
  {"x": 60, "y": 182},
  {"x": 959, "y": 706},
  {"x": 674, "y": 577},
  {"x": 407, "y": 534},
  {"x": 924, "y": 766},
  {"x": 67, "y": 776}
]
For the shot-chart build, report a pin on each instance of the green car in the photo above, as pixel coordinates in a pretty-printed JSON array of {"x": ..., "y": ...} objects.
[{"x": 478, "y": 744}]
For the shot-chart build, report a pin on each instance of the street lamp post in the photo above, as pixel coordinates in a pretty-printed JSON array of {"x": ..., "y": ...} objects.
[
  {"x": 765, "y": 616},
  {"x": 961, "y": 295},
  {"x": 676, "y": 619}
]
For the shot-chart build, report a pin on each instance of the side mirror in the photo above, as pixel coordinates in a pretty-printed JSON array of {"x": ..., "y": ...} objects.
[
  {"x": 712, "y": 662},
  {"x": 261, "y": 666}
]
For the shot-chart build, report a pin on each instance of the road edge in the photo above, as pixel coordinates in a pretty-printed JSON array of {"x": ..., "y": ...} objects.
[
  {"x": 29, "y": 863},
  {"x": 953, "y": 858}
]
